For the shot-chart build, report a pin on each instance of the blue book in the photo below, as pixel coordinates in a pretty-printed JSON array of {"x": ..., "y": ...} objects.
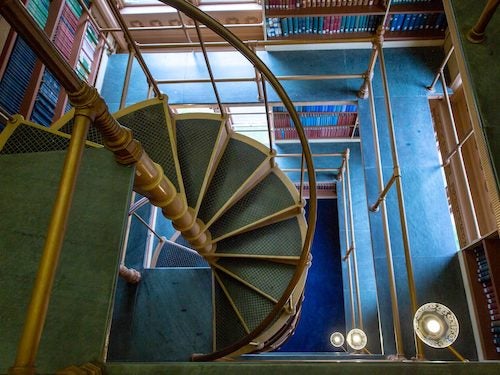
[
  {"x": 284, "y": 26},
  {"x": 394, "y": 22},
  {"x": 342, "y": 24},
  {"x": 295, "y": 25},
  {"x": 320, "y": 25},
  {"x": 406, "y": 21},
  {"x": 399, "y": 25},
  {"x": 411, "y": 24},
  {"x": 315, "y": 25}
]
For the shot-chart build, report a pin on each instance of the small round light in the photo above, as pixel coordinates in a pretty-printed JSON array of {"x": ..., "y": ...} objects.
[
  {"x": 436, "y": 325},
  {"x": 356, "y": 339},
  {"x": 433, "y": 326},
  {"x": 337, "y": 339}
]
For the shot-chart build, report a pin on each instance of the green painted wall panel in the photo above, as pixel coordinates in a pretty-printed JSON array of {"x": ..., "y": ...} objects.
[{"x": 79, "y": 313}]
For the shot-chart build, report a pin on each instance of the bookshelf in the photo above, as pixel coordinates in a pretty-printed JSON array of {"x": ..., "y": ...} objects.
[
  {"x": 482, "y": 260},
  {"x": 347, "y": 19},
  {"x": 320, "y": 120},
  {"x": 26, "y": 87}
]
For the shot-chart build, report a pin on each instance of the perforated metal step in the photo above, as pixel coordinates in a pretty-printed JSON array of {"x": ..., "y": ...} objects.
[
  {"x": 268, "y": 197},
  {"x": 196, "y": 143},
  {"x": 237, "y": 164},
  {"x": 281, "y": 239}
]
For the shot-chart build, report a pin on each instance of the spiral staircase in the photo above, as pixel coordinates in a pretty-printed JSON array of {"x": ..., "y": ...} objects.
[
  {"x": 249, "y": 207},
  {"x": 222, "y": 191}
]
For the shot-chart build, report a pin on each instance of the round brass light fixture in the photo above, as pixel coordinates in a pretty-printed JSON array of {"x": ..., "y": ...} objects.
[
  {"x": 436, "y": 325},
  {"x": 337, "y": 339},
  {"x": 356, "y": 339}
]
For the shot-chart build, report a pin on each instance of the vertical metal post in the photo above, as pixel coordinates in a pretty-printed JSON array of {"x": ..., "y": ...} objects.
[
  {"x": 209, "y": 68},
  {"x": 347, "y": 257},
  {"x": 460, "y": 156},
  {"x": 353, "y": 241},
  {"x": 441, "y": 69},
  {"x": 302, "y": 176},
  {"x": 476, "y": 34},
  {"x": 419, "y": 349},
  {"x": 126, "y": 81},
  {"x": 268, "y": 115},
  {"x": 398, "y": 338},
  {"x": 39, "y": 303}
]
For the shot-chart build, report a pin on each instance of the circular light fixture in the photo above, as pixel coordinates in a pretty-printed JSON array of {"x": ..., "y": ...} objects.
[
  {"x": 436, "y": 325},
  {"x": 356, "y": 339},
  {"x": 337, "y": 339}
]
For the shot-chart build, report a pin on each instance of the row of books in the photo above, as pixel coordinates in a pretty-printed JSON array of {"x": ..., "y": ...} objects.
[
  {"x": 314, "y": 133},
  {"x": 39, "y": 10},
  {"x": 322, "y": 108},
  {"x": 416, "y": 21},
  {"x": 484, "y": 278},
  {"x": 283, "y": 120},
  {"x": 17, "y": 76},
  {"x": 296, "y": 4},
  {"x": 327, "y": 25}
]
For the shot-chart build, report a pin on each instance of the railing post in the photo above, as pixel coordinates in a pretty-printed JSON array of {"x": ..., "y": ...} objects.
[
  {"x": 39, "y": 303},
  {"x": 476, "y": 34},
  {"x": 419, "y": 349},
  {"x": 396, "y": 322}
]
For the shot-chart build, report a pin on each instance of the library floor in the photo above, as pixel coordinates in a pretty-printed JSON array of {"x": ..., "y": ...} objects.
[{"x": 433, "y": 245}]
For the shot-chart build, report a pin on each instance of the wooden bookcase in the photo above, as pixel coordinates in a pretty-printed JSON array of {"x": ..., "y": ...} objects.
[
  {"x": 40, "y": 97},
  {"x": 342, "y": 19},
  {"x": 482, "y": 260},
  {"x": 321, "y": 121}
]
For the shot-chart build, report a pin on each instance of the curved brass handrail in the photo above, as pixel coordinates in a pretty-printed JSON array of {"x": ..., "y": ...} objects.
[{"x": 198, "y": 15}]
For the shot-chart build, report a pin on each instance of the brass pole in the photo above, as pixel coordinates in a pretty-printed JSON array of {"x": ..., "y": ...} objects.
[
  {"x": 37, "y": 310},
  {"x": 353, "y": 241},
  {"x": 209, "y": 68},
  {"x": 368, "y": 76},
  {"x": 302, "y": 177},
  {"x": 412, "y": 290},
  {"x": 126, "y": 81},
  {"x": 476, "y": 34},
  {"x": 472, "y": 208},
  {"x": 347, "y": 252},
  {"x": 459, "y": 356},
  {"x": 457, "y": 147},
  {"x": 441, "y": 68},
  {"x": 268, "y": 115},
  {"x": 398, "y": 338},
  {"x": 383, "y": 194}
]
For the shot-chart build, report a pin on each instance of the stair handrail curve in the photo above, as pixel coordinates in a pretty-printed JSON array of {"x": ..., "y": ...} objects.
[
  {"x": 198, "y": 15},
  {"x": 87, "y": 100}
]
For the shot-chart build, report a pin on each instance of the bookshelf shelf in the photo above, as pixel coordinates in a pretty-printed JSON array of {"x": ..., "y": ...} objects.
[
  {"x": 324, "y": 20},
  {"x": 325, "y": 121},
  {"x": 482, "y": 260}
]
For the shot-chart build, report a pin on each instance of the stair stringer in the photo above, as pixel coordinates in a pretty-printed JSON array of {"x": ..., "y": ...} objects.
[
  {"x": 221, "y": 143},
  {"x": 277, "y": 216},
  {"x": 274, "y": 332},
  {"x": 257, "y": 176}
]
